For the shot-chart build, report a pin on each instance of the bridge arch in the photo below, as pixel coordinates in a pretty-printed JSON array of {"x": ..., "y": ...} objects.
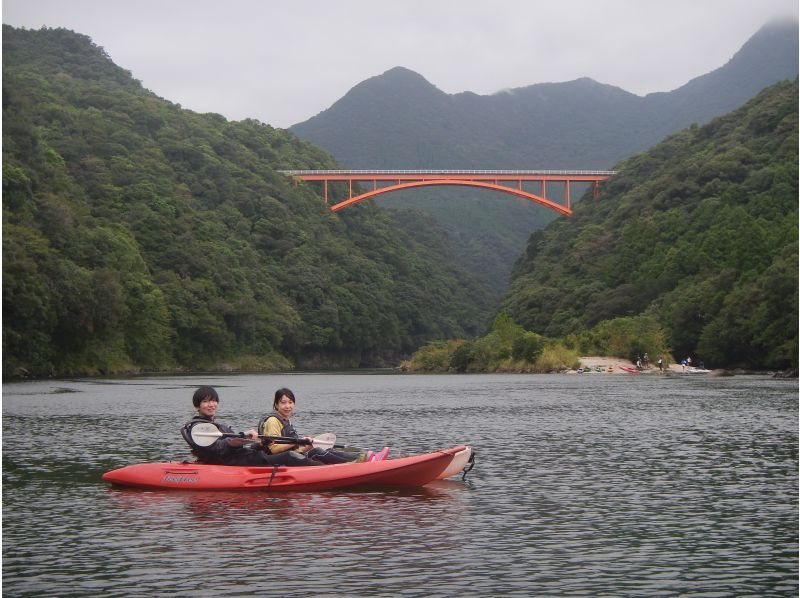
[{"x": 561, "y": 209}]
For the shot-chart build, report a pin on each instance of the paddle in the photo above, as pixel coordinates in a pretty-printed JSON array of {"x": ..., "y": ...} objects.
[{"x": 207, "y": 434}]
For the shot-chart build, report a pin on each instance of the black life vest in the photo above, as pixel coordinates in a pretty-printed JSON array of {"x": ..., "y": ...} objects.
[
  {"x": 217, "y": 453},
  {"x": 287, "y": 429}
]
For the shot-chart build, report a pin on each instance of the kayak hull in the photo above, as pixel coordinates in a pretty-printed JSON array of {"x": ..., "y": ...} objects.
[{"x": 406, "y": 471}]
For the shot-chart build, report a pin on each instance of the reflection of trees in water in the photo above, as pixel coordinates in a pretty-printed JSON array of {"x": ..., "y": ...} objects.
[{"x": 344, "y": 521}]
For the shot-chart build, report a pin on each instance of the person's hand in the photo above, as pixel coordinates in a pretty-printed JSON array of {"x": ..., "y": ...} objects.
[{"x": 252, "y": 434}]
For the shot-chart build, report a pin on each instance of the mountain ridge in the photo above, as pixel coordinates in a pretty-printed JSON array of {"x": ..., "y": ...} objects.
[{"x": 584, "y": 96}]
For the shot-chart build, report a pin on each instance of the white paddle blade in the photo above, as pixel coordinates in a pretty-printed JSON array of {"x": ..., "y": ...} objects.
[
  {"x": 324, "y": 441},
  {"x": 205, "y": 434}
]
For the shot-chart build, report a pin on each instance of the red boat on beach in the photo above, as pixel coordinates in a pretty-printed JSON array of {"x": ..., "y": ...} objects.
[{"x": 630, "y": 370}]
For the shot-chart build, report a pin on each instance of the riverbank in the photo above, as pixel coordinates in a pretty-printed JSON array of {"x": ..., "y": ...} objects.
[
  {"x": 616, "y": 365},
  {"x": 585, "y": 364}
]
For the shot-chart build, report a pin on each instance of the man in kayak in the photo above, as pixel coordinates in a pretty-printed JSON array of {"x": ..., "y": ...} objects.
[
  {"x": 242, "y": 450},
  {"x": 278, "y": 424}
]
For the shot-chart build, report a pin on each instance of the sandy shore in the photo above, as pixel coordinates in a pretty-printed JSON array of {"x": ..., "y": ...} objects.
[{"x": 616, "y": 364}]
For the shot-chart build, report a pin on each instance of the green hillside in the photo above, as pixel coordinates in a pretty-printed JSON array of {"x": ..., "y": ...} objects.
[
  {"x": 139, "y": 235},
  {"x": 700, "y": 233}
]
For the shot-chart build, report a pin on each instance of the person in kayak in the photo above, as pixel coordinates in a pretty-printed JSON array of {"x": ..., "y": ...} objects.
[
  {"x": 279, "y": 424},
  {"x": 244, "y": 450}
]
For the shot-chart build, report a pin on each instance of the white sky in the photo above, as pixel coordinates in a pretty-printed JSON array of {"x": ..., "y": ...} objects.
[{"x": 283, "y": 61}]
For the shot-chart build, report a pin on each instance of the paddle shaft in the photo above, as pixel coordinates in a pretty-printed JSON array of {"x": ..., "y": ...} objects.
[
  {"x": 206, "y": 433},
  {"x": 281, "y": 440}
]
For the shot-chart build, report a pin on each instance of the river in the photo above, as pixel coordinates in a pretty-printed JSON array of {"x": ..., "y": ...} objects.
[{"x": 584, "y": 484}]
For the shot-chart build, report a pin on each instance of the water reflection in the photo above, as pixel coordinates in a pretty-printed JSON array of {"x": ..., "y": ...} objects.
[{"x": 442, "y": 499}]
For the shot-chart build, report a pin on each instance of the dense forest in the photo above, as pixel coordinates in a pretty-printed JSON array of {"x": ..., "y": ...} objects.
[
  {"x": 691, "y": 249},
  {"x": 141, "y": 236},
  {"x": 699, "y": 233}
]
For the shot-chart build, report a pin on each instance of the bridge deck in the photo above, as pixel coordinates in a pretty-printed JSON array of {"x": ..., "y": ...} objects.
[{"x": 445, "y": 174}]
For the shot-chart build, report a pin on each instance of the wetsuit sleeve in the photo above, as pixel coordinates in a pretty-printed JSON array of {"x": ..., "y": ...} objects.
[{"x": 273, "y": 427}]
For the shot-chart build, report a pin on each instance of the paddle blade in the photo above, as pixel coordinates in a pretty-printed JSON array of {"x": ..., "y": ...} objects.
[
  {"x": 324, "y": 441},
  {"x": 205, "y": 434}
]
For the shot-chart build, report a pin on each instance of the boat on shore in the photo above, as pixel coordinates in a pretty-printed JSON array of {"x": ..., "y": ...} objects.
[
  {"x": 630, "y": 370},
  {"x": 416, "y": 470}
]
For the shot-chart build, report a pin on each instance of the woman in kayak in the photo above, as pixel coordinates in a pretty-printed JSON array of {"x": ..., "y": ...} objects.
[
  {"x": 278, "y": 424},
  {"x": 243, "y": 450}
]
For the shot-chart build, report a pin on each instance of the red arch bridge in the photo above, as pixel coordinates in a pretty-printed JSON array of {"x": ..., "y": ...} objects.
[{"x": 506, "y": 181}]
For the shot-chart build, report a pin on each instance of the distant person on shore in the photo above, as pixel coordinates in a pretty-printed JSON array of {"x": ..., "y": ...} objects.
[
  {"x": 241, "y": 450},
  {"x": 661, "y": 364},
  {"x": 279, "y": 424}
]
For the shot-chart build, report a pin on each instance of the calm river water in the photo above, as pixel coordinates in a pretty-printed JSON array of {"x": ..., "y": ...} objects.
[{"x": 590, "y": 484}]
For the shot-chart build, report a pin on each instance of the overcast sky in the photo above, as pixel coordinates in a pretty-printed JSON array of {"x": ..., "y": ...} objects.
[{"x": 283, "y": 61}]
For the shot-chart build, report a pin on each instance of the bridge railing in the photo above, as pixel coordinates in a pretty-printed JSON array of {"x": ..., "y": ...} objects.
[{"x": 451, "y": 172}]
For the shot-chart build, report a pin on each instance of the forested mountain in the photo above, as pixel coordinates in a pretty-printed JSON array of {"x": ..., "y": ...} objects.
[
  {"x": 400, "y": 120},
  {"x": 137, "y": 234},
  {"x": 700, "y": 233}
]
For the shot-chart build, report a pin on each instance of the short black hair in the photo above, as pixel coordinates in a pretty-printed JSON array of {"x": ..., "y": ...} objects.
[{"x": 204, "y": 392}]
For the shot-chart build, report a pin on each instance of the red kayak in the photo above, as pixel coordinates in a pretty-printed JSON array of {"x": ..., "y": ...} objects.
[{"x": 405, "y": 471}]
